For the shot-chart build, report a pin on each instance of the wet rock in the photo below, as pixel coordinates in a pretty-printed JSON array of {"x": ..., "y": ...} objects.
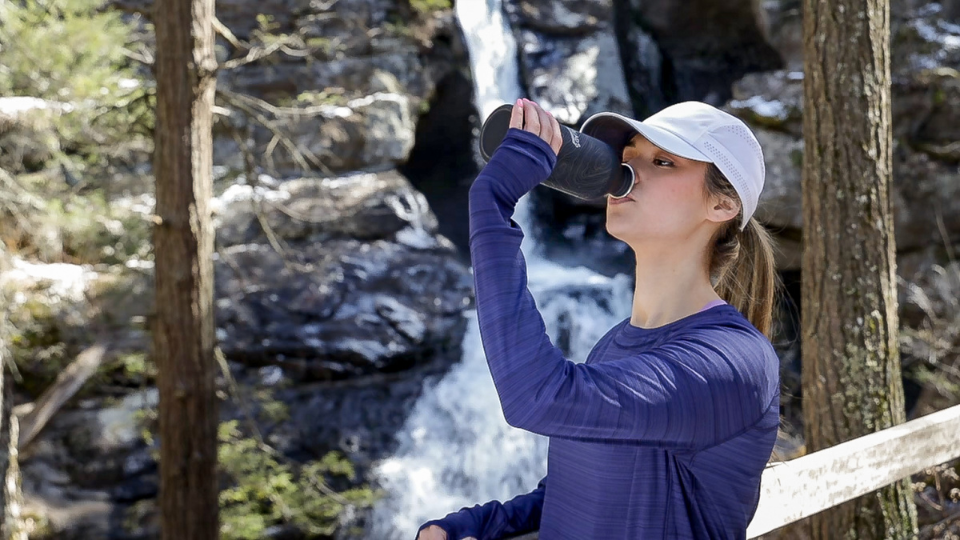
[
  {"x": 569, "y": 58},
  {"x": 364, "y": 206},
  {"x": 706, "y": 45},
  {"x": 772, "y": 100},
  {"x": 573, "y": 17},
  {"x": 372, "y": 131},
  {"x": 780, "y": 202},
  {"x": 575, "y": 234},
  {"x": 333, "y": 309},
  {"x": 363, "y": 285},
  {"x": 926, "y": 199},
  {"x": 574, "y": 78},
  {"x": 87, "y": 465},
  {"x": 641, "y": 60},
  {"x": 925, "y": 174},
  {"x": 351, "y": 101},
  {"x": 445, "y": 158}
]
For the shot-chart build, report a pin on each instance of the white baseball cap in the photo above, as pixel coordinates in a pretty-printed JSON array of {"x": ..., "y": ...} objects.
[{"x": 697, "y": 131}]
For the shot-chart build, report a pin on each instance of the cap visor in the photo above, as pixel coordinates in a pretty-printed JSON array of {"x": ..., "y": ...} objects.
[{"x": 617, "y": 130}]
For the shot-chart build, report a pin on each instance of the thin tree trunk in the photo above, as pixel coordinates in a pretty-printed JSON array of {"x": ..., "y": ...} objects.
[
  {"x": 183, "y": 245},
  {"x": 10, "y": 496},
  {"x": 851, "y": 362}
]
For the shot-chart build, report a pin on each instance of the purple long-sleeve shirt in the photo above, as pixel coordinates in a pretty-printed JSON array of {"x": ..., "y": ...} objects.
[{"x": 660, "y": 433}]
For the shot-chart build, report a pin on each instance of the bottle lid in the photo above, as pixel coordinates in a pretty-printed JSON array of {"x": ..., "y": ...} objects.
[{"x": 494, "y": 129}]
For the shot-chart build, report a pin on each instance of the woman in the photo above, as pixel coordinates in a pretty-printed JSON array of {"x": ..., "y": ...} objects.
[{"x": 665, "y": 429}]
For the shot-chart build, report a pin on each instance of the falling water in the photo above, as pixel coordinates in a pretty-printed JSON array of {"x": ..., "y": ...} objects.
[{"x": 456, "y": 449}]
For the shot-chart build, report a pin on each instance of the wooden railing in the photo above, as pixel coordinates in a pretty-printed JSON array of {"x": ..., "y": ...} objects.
[{"x": 793, "y": 490}]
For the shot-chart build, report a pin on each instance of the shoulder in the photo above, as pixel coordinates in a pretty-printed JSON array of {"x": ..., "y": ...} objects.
[{"x": 730, "y": 350}]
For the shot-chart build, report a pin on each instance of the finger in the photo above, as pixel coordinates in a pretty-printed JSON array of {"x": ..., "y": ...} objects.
[
  {"x": 531, "y": 120},
  {"x": 546, "y": 130},
  {"x": 557, "y": 141},
  {"x": 516, "y": 115}
]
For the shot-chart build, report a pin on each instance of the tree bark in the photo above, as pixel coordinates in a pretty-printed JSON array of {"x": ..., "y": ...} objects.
[
  {"x": 851, "y": 362},
  {"x": 10, "y": 496},
  {"x": 183, "y": 337}
]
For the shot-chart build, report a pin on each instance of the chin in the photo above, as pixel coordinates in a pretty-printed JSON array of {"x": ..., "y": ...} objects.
[{"x": 621, "y": 232}]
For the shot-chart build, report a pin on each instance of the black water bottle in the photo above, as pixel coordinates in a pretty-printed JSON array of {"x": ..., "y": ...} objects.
[{"x": 586, "y": 168}]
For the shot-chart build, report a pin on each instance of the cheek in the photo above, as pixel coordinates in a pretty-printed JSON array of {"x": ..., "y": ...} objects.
[
  {"x": 662, "y": 209},
  {"x": 674, "y": 202}
]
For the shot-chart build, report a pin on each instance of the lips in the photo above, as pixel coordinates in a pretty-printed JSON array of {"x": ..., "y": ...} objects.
[{"x": 613, "y": 201}]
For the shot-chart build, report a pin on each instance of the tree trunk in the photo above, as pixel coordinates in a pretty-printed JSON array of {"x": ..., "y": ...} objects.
[
  {"x": 183, "y": 337},
  {"x": 851, "y": 361},
  {"x": 10, "y": 497}
]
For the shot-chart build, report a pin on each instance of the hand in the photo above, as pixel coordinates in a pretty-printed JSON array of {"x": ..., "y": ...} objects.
[
  {"x": 528, "y": 116},
  {"x": 432, "y": 533},
  {"x": 436, "y": 533}
]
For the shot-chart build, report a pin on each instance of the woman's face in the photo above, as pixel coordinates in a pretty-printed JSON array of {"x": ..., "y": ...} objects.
[{"x": 667, "y": 201}]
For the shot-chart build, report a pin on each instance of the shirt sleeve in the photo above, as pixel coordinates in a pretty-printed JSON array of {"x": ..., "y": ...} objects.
[
  {"x": 495, "y": 520},
  {"x": 680, "y": 394}
]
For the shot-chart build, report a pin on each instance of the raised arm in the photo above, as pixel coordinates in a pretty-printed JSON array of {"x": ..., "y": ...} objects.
[
  {"x": 686, "y": 394},
  {"x": 495, "y": 520}
]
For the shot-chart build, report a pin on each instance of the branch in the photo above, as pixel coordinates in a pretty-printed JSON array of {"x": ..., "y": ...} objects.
[
  {"x": 300, "y": 156},
  {"x": 66, "y": 385}
]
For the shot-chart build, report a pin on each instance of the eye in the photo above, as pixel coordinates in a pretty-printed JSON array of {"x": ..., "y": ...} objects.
[{"x": 662, "y": 162}]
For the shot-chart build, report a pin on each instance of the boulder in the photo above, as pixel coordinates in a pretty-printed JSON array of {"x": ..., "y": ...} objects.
[
  {"x": 569, "y": 57},
  {"x": 925, "y": 88},
  {"x": 706, "y": 45},
  {"x": 352, "y": 279},
  {"x": 576, "y": 77},
  {"x": 572, "y": 17},
  {"x": 88, "y": 466}
]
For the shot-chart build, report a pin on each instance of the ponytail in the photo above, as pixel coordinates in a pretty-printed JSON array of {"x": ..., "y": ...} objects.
[{"x": 742, "y": 262}]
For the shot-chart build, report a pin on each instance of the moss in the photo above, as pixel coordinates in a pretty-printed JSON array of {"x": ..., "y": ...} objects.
[
  {"x": 263, "y": 488},
  {"x": 425, "y": 7},
  {"x": 131, "y": 369},
  {"x": 269, "y": 490},
  {"x": 93, "y": 231},
  {"x": 36, "y": 346}
]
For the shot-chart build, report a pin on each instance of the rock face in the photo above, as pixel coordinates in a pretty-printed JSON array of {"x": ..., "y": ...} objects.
[
  {"x": 350, "y": 285},
  {"x": 925, "y": 175},
  {"x": 342, "y": 288},
  {"x": 569, "y": 57},
  {"x": 705, "y": 45},
  {"x": 354, "y": 279},
  {"x": 90, "y": 468}
]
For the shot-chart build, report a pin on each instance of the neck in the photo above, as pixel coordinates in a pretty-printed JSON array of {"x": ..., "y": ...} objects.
[{"x": 670, "y": 285}]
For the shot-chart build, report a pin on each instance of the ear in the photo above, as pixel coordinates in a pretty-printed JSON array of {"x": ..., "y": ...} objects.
[{"x": 722, "y": 208}]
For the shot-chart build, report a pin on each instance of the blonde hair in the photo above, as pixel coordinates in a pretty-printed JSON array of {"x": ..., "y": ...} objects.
[{"x": 742, "y": 262}]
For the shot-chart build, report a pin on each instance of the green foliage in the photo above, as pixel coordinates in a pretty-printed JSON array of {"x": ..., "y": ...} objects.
[
  {"x": 36, "y": 345},
  {"x": 93, "y": 231},
  {"x": 76, "y": 52},
  {"x": 268, "y": 490},
  {"x": 327, "y": 96},
  {"x": 429, "y": 6},
  {"x": 271, "y": 409}
]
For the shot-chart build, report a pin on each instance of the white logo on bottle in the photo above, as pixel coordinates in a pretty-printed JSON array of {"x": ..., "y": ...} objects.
[{"x": 575, "y": 138}]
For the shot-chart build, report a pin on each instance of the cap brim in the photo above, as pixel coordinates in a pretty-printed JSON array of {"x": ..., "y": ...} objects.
[{"x": 617, "y": 130}]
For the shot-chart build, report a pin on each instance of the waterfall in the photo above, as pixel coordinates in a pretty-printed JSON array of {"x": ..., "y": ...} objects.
[{"x": 456, "y": 449}]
